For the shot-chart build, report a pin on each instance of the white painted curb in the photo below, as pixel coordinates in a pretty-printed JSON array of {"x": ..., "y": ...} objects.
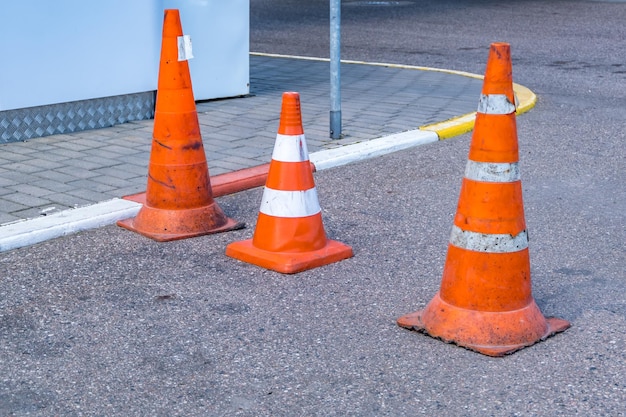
[
  {"x": 359, "y": 151},
  {"x": 28, "y": 232}
]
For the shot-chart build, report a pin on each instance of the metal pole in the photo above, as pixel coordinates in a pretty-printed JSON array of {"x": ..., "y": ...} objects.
[{"x": 335, "y": 73}]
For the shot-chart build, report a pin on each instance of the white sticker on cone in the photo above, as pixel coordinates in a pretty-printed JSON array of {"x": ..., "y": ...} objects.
[{"x": 184, "y": 48}]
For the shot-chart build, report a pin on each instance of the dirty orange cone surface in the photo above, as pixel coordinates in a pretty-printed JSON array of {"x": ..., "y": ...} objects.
[
  {"x": 178, "y": 202},
  {"x": 485, "y": 301},
  {"x": 289, "y": 235}
]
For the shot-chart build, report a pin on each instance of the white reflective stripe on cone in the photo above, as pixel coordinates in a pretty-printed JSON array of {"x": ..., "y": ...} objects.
[
  {"x": 495, "y": 104},
  {"x": 491, "y": 243},
  {"x": 280, "y": 203},
  {"x": 290, "y": 148},
  {"x": 492, "y": 171}
]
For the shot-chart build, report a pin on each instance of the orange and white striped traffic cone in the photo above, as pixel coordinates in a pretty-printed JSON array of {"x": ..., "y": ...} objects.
[
  {"x": 289, "y": 235},
  {"x": 485, "y": 301},
  {"x": 178, "y": 202}
]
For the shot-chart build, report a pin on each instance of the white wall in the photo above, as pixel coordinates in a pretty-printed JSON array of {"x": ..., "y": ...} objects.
[
  {"x": 220, "y": 36},
  {"x": 66, "y": 50}
]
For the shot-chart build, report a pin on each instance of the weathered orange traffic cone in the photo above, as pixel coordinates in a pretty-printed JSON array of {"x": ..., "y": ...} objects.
[
  {"x": 289, "y": 235},
  {"x": 178, "y": 202},
  {"x": 485, "y": 301}
]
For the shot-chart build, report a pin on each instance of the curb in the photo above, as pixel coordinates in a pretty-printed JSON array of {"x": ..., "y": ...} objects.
[
  {"x": 28, "y": 232},
  {"x": 524, "y": 98},
  {"x": 335, "y": 157}
]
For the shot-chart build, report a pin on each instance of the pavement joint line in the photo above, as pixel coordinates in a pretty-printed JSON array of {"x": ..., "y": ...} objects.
[
  {"x": 27, "y": 232},
  {"x": 374, "y": 64}
]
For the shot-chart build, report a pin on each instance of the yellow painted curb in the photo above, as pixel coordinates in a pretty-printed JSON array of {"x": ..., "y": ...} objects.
[
  {"x": 452, "y": 127},
  {"x": 525, "y": 98}
]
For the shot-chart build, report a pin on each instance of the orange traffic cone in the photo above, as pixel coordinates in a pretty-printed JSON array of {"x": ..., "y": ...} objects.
[
  {"x": 289, "y": 235},
  {"x": 178, "y": 199},
  {"x": 485, "y": 301}
]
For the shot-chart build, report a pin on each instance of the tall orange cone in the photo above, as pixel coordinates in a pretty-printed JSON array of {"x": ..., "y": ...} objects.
[
  {"x": 485, "y": 301},
  {"x": 289, "y": 235},
  {"x": 178, "y": 200}
]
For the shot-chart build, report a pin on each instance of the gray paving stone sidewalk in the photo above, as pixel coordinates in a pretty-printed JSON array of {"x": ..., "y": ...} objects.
[{"x": 50, "y": 174}]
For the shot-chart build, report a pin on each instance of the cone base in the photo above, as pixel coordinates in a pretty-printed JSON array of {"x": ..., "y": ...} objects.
[
  {"x": 166, "y": 225},
  {"x": 289, "y": 262},
  {"x": 489, "y": 333}
]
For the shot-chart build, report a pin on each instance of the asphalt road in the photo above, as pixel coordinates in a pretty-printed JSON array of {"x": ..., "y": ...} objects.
[{"x": 106, "y": 322}]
